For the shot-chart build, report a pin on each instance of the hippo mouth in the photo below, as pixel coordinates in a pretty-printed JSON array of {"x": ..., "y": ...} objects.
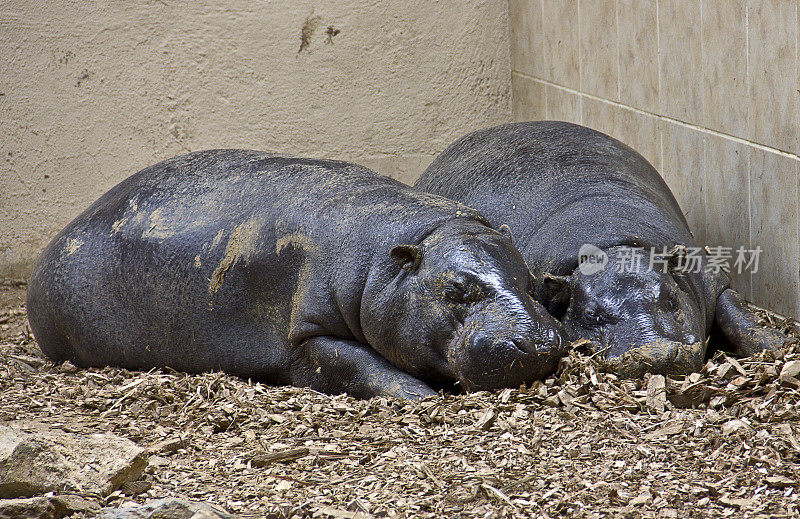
[{"x": 453, "y": 355}]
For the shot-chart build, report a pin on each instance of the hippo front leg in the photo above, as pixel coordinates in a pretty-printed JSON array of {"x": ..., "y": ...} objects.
[
  {"x": 741, "y": 328},
  {"x": 335, "y": 366}
]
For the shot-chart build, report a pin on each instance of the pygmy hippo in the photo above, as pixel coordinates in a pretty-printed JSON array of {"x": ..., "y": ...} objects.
[
  {"x": 315, "y": 273},
  {"x": 605, "y": 240}
]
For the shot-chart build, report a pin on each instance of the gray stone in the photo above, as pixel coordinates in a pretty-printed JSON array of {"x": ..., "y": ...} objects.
[
  {"x": 68, "y": 504},
  {"x": 167, "y": 509},
  {"x": 50, "y": 460},
  {"x": 33, "y": 508}
]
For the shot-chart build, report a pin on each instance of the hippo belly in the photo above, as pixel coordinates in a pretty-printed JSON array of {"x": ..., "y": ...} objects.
[
  {"x": 291, "y": 271},
  {"x": 564, "y": 189}
]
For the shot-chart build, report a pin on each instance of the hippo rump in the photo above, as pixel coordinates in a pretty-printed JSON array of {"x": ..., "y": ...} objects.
[
  {"x": 651, "y": 296},
  {"x": 314, "y": 273}
]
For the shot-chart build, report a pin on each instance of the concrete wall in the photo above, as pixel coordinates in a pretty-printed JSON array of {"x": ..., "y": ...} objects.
[
  {"x": 708, "y": 91},
  {"x": 91, "y": 92}
]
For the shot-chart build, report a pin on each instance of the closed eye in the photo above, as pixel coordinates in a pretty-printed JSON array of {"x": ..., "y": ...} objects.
[
  {"x": 595, "y": 316},
  {"x": 457, "y": 293},
  {"x": 670, "y": 295}
]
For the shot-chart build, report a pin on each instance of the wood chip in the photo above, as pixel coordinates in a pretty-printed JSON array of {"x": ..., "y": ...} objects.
[
  {"x": 656, "y": 393},
  {"x": 581, "y": 443},
  {"x": 266, "y": 458}
]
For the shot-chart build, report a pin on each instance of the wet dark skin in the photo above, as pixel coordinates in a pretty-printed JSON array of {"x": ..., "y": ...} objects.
[
  {"x": 558, "y": 186},
  {"x": 314, "y": 273}
]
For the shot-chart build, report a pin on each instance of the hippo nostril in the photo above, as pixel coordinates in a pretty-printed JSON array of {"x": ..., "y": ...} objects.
[
  {"x": 500, "y": 347},
  {"x": 520, "y": 345}
]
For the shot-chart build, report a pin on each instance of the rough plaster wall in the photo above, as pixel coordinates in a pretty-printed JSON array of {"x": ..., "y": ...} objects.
[{"x": 94, "y": 91}]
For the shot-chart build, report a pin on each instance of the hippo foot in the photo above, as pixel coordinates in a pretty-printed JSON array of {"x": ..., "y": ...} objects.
[
  {"x": 336, "y": 366},
  {"x": 741, "y": 326}
]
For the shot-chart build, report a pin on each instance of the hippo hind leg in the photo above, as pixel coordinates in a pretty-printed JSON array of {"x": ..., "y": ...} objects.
[
  {"x": 740, "y": 326},
  {"x": 44, "y": 321},
  {"x": 332, "y": 366}
]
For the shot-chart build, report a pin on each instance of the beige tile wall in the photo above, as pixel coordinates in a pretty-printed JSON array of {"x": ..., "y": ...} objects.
[{"x": 708, "y": 91}]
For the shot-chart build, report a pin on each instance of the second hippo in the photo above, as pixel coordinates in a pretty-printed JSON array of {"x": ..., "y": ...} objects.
[{"x": 573, "y": 196}]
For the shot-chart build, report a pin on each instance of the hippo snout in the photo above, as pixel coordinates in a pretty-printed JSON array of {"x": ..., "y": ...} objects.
[
  {"x": 490, "y": 361},
  {"x": 660, "y": 356}
]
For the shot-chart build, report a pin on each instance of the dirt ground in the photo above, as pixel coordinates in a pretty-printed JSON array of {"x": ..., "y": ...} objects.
[{"x": 721, "y": 443}]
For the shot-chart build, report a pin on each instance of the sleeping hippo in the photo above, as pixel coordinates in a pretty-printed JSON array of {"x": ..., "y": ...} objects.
[
  {"x": 315, "y": 273},
  {"x": 605, "y": 240}
]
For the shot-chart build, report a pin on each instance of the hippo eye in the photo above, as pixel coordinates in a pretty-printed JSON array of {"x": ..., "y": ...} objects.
[
  {"x": 671, "y": 295},
  {"x": 673, "y": 301},
  {"x": 457, "y": 293},
  {"x": 592, "y": 316}
]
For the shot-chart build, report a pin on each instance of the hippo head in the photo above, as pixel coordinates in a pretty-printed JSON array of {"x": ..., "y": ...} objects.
[
  {"x": 462, "y": 310},
  {"x": 642, "y": 318}
]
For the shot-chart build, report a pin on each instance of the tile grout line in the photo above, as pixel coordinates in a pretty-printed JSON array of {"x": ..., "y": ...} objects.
[
  {"x": 749, "y": 166},
  {"x": 703, "y": 117},
  {"x": 747, "y": 66},
  {"x": 685, "y": 124},
  {"x": 580, "y": 49},
  {"x": 619, "y": 71},
  {"x": 658, "y": 56},
  {"x": 544, "y": 91},
  {"x": 747, "y": 83},
  {"x": 702, "y": 64}
]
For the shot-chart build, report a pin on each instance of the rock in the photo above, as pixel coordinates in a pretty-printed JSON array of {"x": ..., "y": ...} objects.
[
  {"x": 50, "y": 460},
  {"x": 167, "y": 508},
  {"x": 68, "y": 504},
  {"x": 33, "y": 508}
]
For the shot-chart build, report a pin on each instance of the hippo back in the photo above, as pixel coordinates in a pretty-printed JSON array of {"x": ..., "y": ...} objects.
[
  {"x": 558, "y": 186},
  {"x": 180, "y": 246}
]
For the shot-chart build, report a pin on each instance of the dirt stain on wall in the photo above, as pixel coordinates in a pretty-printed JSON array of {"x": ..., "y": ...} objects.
[{"x": 309, "y": 26}]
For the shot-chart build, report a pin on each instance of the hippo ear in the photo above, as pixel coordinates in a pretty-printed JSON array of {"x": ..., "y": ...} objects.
[
  {"x": 407, "y": 256},
  {"x": 553, "y": 292},
  {"x": 505, "y": 229}
]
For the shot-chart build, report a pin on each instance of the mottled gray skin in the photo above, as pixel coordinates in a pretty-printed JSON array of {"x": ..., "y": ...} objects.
[
  {"x": 558, "y": 186},
  {"x": 294, "y": 271}
]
